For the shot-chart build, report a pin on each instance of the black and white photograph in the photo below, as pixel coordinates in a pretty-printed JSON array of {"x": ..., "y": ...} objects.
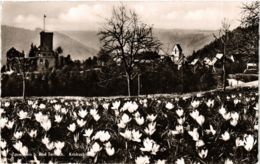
[{"x": 160, "y": 82}]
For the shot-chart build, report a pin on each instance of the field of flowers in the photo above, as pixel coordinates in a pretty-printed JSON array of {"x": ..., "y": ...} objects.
[{"x": 210, "y": 128}]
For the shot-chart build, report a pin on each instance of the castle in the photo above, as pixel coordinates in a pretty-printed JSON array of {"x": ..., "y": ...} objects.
[{"x": 40, "y": 59}]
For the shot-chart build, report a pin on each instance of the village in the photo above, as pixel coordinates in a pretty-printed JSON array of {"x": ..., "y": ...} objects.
[{"x": 118, "y": 82}]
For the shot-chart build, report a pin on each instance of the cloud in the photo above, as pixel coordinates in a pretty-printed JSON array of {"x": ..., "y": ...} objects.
[
  {"x": 91, "y": 15},
  {"x": 85, "y": 13},
  {"x": 25, "y": 19}
]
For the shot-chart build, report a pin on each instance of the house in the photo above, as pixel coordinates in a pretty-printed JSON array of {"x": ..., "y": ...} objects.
[
  {"x": 251, "y": 68},
  {"x": 177, "y": 55}
]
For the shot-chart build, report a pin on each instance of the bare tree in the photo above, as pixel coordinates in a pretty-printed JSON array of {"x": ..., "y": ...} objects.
[
  {"x": 125, "y": 36},
  {"x": 21, "y": 67}
]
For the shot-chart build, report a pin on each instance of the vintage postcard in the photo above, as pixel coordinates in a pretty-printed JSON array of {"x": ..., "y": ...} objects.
[{"x": 129, "y": 82}]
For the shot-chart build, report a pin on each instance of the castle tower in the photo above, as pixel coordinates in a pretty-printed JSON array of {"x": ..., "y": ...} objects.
[
  {"x": 46, "y": 57},
  {"x": 46, "y": 41}
]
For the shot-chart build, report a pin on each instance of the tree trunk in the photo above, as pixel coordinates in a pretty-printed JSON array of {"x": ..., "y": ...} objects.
[
  {"x": 23, "y": 86},
  {"x": 139, "y": 85},
  {"x": 128, "y": 78}
]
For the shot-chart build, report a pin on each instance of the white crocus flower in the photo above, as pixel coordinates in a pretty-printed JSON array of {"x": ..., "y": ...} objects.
[
  {"x": 178, "y": 130},
  {"x": 7, "y": 104},
  {"x": 227, "y": 116},
  {"x": 194, "y": 114},
  {"x": 160, "y": 161},
  {"x": 72, "y": 127},
  {"x": 10, "y": 124},
  {"x": 169, "y": 106},
  {"x": 57, "y": 107},
  {"x": 3, "y": 122},
  {"x": 64, "y": 110},
  {"x": 4, "y": 153},
  {"x": 137, "y": 114},
  {"x": 59, "y": 145},
  {"x": 194, "y": 134},
  {"x": 42, "y": 106},
  {"x": 76, "y": 137},
  {"x": 2, "y": 111},
  {"x": 222, "y": 110},
  {"x": 236, "y": 101},
  {"x": 57, "y": 152},
  {"x": 210, "y": 103},
  {"x": 58, "y": 118},
  {"x": 239, "y": 142},
  {"x": 45, "y": 140},
  {"x": 18, "y": 135},
  {"x": 195, "y": 103},
  {"x": 142, "y": 160},
  {"x": 83, "y": 113},
  {"x": 46, "y": 124},
  {"x": 233, "y": 122},
  {"x": 38, "y": 116},
  {"x": 121, "y": 124},
  {"x": 81, "y": 122},
  {"x": 225, "y": 136},
  {"x": 180, "y": 161},
  {"x": 249, "y": 142},
  {"x": 151, "y": 117},
  {"x": 150, "y": 146},
  {"x": 200, "y": 119},
  {"x": 139, "y": 120},
  {"x": 105, "y": 106},
  {"x": 127, "y": 134},
  {"x": 18, "y": 145},
  {"x": 88, "y": 132},
  {"x": 228, "y": 161},
  {"x": 110, "y": 151},
  {"x": 2, "y": 144},
  {"x": 181, "y": 120},
  {"x": 50, "y": 146},
  {"x": 151, "y": 128},
  {"x": 256, "y": 106},
  {"x": 133, "y": 107},
  {"x": 126, "y": 118},
  {"x": 96, "y": 117},
  {"x": 203, "y": 153},
  {"x": 24, "y": 151},
  {"x": 22, "y": 115},
  {"x": 96, "y": 147},
  {"x": 179, "y": 112},
  {"x": 211, "y": 130},
  {"x": 136, "y": 135},
  {"x": 234, "y": 118},
  {"x": 33, "y": 133},
  {"x": 102, "y": 136},
  {"x": 91, "y": 153},
  {"x": 115, "y": 105},
  {"x": 200, "y": 143}
]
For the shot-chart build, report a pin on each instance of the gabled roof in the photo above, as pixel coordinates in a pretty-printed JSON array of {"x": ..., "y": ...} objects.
[
  {"x": 194, "y": 61},
  {"x": 219, "y": 55},
  {"x": 178, "y": 46}
]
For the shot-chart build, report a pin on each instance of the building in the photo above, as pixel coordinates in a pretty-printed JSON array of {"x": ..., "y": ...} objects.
[
  {"x": 40, "y": 58},
  {"x": 45, "y": 56},
  {"x": 177, "y": 54}
]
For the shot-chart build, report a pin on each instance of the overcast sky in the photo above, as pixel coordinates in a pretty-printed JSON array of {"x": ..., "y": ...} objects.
[{"x": 90, "y": 15}]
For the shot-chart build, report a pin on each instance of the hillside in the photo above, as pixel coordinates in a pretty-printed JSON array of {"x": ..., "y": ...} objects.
[
  {"x": 83, "y": 44},
  {"x": 189, "y": 39},
  {"x": 242, "y": 44},
  {"x": 21, "y": 39}
]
